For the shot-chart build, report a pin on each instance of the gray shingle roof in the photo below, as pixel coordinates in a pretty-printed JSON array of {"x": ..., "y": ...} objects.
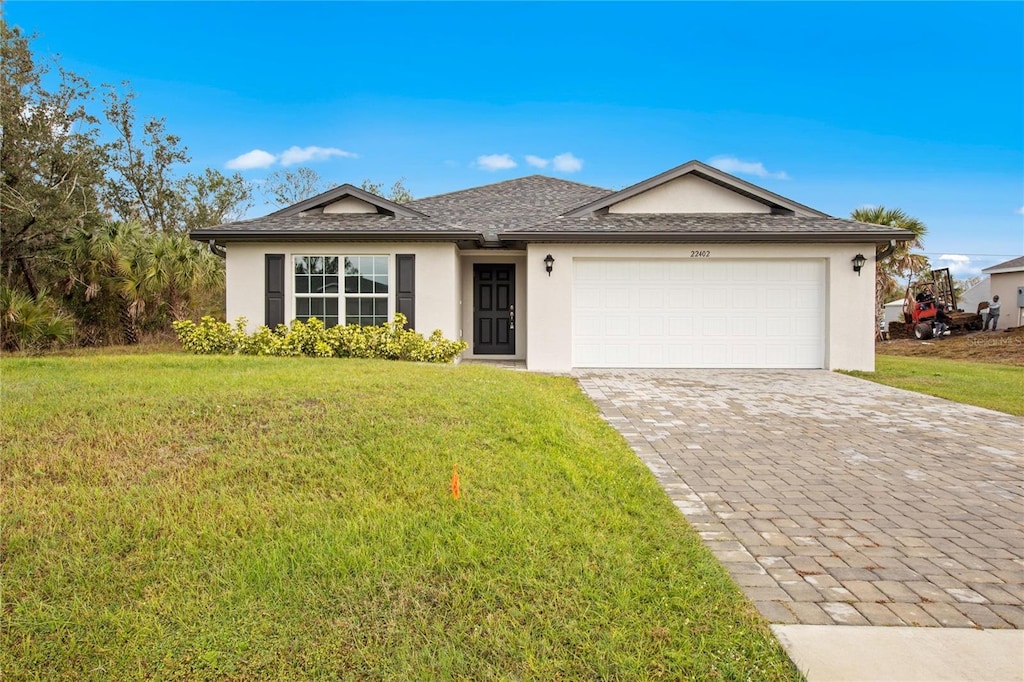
[
  {"x": 701, "y": 223},
  {"x": 529, "y": 208},
  {"x": 1011, "y": 264},
  {"x": 509, "y": 205},
  {"x": 333, "y": 223}
]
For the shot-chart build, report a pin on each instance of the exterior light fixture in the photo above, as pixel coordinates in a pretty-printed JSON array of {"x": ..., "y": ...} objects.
[
  {"x": 858, "y": 262},
  {"x": 549, "y": 263}
]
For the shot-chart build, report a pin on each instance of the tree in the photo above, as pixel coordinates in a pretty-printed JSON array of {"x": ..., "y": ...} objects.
[
  {"x": 290, "y": 187},
  {"x": 398, "y": 194},
  {"x": 901, "y": 263},
  {"x": 50, "y": 161},
  {"x": 140, "y": 274},
  {"x": 213, "y": 198},
  {"x": 142, "y": 183}
]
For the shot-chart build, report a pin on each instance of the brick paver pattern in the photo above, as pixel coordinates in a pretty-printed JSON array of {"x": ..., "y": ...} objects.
[{"x": 834, "y": 500}]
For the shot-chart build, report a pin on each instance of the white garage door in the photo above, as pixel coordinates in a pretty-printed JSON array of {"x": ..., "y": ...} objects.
[{"x": 699, "y": 313}]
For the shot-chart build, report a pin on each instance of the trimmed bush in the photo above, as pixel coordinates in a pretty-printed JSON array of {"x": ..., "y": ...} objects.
[{"x": 389, "y": 341}]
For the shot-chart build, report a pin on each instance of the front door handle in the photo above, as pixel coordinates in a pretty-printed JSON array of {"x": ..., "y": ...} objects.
[{"x": 511, "y": 317}]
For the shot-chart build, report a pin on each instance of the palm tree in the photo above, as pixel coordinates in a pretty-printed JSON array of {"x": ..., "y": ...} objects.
[
  {"x": 109, "y": 261},
  {"x": 181, "y": 270},
  {"x": 901, "y": 262}
]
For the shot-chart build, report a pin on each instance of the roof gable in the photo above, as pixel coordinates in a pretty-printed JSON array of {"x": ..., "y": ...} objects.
[
  {"x": 342, "y": 192},
  {"x": 1012, "y": 265},
  {"x": 694, "y": 187}
]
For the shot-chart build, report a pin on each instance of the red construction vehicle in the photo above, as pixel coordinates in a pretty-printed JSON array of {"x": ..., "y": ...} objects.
[{"x": 930, "y": 306}]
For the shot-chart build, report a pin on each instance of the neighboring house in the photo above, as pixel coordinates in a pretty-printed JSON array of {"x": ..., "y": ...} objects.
[
  {"x": 691, "y": 268},
  {"x": 1007, "y": 279},
  {"x": 981, "y": 291},
  {"x": 892, "y": 312}
]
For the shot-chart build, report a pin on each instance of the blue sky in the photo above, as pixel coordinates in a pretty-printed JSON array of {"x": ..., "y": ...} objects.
[{"x": 918, "y": 105}]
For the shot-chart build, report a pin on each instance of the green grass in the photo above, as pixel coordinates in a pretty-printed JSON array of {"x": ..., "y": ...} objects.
[
  {"x": 170, "y": 516},
  {"x": 996, "y": 387}
]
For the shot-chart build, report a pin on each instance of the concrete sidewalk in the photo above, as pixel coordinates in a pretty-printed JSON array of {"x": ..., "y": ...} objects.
[{"x": 846, "y": 653}]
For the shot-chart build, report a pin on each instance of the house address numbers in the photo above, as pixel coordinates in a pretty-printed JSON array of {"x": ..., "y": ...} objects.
[{"x": 700, "y": 254}]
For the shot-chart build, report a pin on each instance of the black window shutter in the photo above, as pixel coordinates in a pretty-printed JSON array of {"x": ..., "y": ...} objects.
[
  {"x": 405, "y": 285},
  {"x": 274, "y": 307}
]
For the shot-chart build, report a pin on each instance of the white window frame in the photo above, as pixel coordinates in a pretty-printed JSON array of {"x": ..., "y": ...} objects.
[{"x": 341, "y": 296}]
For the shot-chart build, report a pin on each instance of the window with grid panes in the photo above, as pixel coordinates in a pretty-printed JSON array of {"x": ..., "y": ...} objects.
[{"x": 342, "y": 289}]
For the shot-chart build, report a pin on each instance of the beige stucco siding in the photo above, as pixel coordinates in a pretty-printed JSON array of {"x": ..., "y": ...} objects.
[
  {"x": 1005, "y": 284},
  {"x": 437, "y": 279},
  {"x": 689, "y": 194},
  {"x": 849, "y": 298},
  {"x": 350, "y": 205}
]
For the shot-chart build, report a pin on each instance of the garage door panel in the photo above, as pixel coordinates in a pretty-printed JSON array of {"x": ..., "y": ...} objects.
[
  {"x": 744, "y": 298},
  {"x": 653, "y": 271},
  {"x": 807, "y": 298},
  {"x": 680, "y": 327},
  {"x": 713, "y": 355},
  {"x": 588, "y": 298},
  {"x": 617, "y": 299},
  {"x": 698, "y": 313},
  {"x": 745, "y": 326},
  {"x": 617, "y": 325},
  {"x": 743, "y": 355},
  {"x": 714, "y": 271},
  {"x": 620, "y": 271},
  {"x": 680, "y": 271},
  {"x": 681, "y": 299},
  {"x": 651, "y": 298},
  {"x": 717, "y": 325},
  {"x": 649, "y": 327}
]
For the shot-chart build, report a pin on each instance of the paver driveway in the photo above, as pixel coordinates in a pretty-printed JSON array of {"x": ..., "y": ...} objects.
[{"x": 832, "y": 499}]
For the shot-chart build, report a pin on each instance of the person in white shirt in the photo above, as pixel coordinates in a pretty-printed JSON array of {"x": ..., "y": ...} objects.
[{"x": 993, "y": 313}]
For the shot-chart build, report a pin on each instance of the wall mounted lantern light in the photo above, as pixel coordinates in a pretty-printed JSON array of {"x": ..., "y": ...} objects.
[
  {"x": 549, "y": 263},
  {"x": 858, "y": 262}
]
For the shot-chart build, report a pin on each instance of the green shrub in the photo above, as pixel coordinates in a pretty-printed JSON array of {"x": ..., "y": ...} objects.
[{"x": 389, "y": 341}]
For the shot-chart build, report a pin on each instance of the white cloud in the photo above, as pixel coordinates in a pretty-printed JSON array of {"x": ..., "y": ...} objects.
[
  {"x": 493, "y": 162},
  {"x": 536, "y": 161},
  {"x": 567, "y": 163},
  {"x": 960, "y": 266},
  {"x": 1020, "y": 211},
  {"x": 257, "y": 158},
  {"x": 294, "y": 155},
  {"x": 730, "y": 164}
]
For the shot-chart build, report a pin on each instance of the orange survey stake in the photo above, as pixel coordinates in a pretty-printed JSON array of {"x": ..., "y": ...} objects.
[{"x": 455, "y": 482}]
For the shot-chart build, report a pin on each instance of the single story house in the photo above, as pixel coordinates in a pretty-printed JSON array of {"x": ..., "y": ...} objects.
[
  {"x": 974, "y": 295},
  {"x": 892, "y": 312},
  {"x": 1007, "y": 280},
  {"x": 690, "y": 268}
]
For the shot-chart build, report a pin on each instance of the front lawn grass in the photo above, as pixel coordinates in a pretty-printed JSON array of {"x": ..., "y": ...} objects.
[
  {"x": 172, "y": 516},
  {"x": 996, "y": 387}
]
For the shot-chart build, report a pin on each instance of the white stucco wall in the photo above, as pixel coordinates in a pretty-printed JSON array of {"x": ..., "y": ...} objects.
[
  {"x": 350, "y": 205},
  {"x": 969, "y": 300},
  {"x": 517, "y": 258},
  {"x": 849, "y": 314},
  {"x": 892, "y": 312},
  {"x": 689, "y": 194},
  {"x": 437, "y": 279},
  {"x": 1005, "y": 284}
]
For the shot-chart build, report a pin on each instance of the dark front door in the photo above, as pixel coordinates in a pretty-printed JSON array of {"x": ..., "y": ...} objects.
[{"x": 494, "y": 300}]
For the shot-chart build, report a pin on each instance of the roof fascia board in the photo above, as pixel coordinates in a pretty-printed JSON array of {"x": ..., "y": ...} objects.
[
  {"x": 705, "y": 172},
  {"x": 702, "y": 237},
  {"x": 332, "y": 195},
  {"x": 326, "y": 236},
  {"x": 1003, "y": 271}
]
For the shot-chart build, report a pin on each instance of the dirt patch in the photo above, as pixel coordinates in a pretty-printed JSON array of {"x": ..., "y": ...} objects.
[{"x": 1004, "y": 347}]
